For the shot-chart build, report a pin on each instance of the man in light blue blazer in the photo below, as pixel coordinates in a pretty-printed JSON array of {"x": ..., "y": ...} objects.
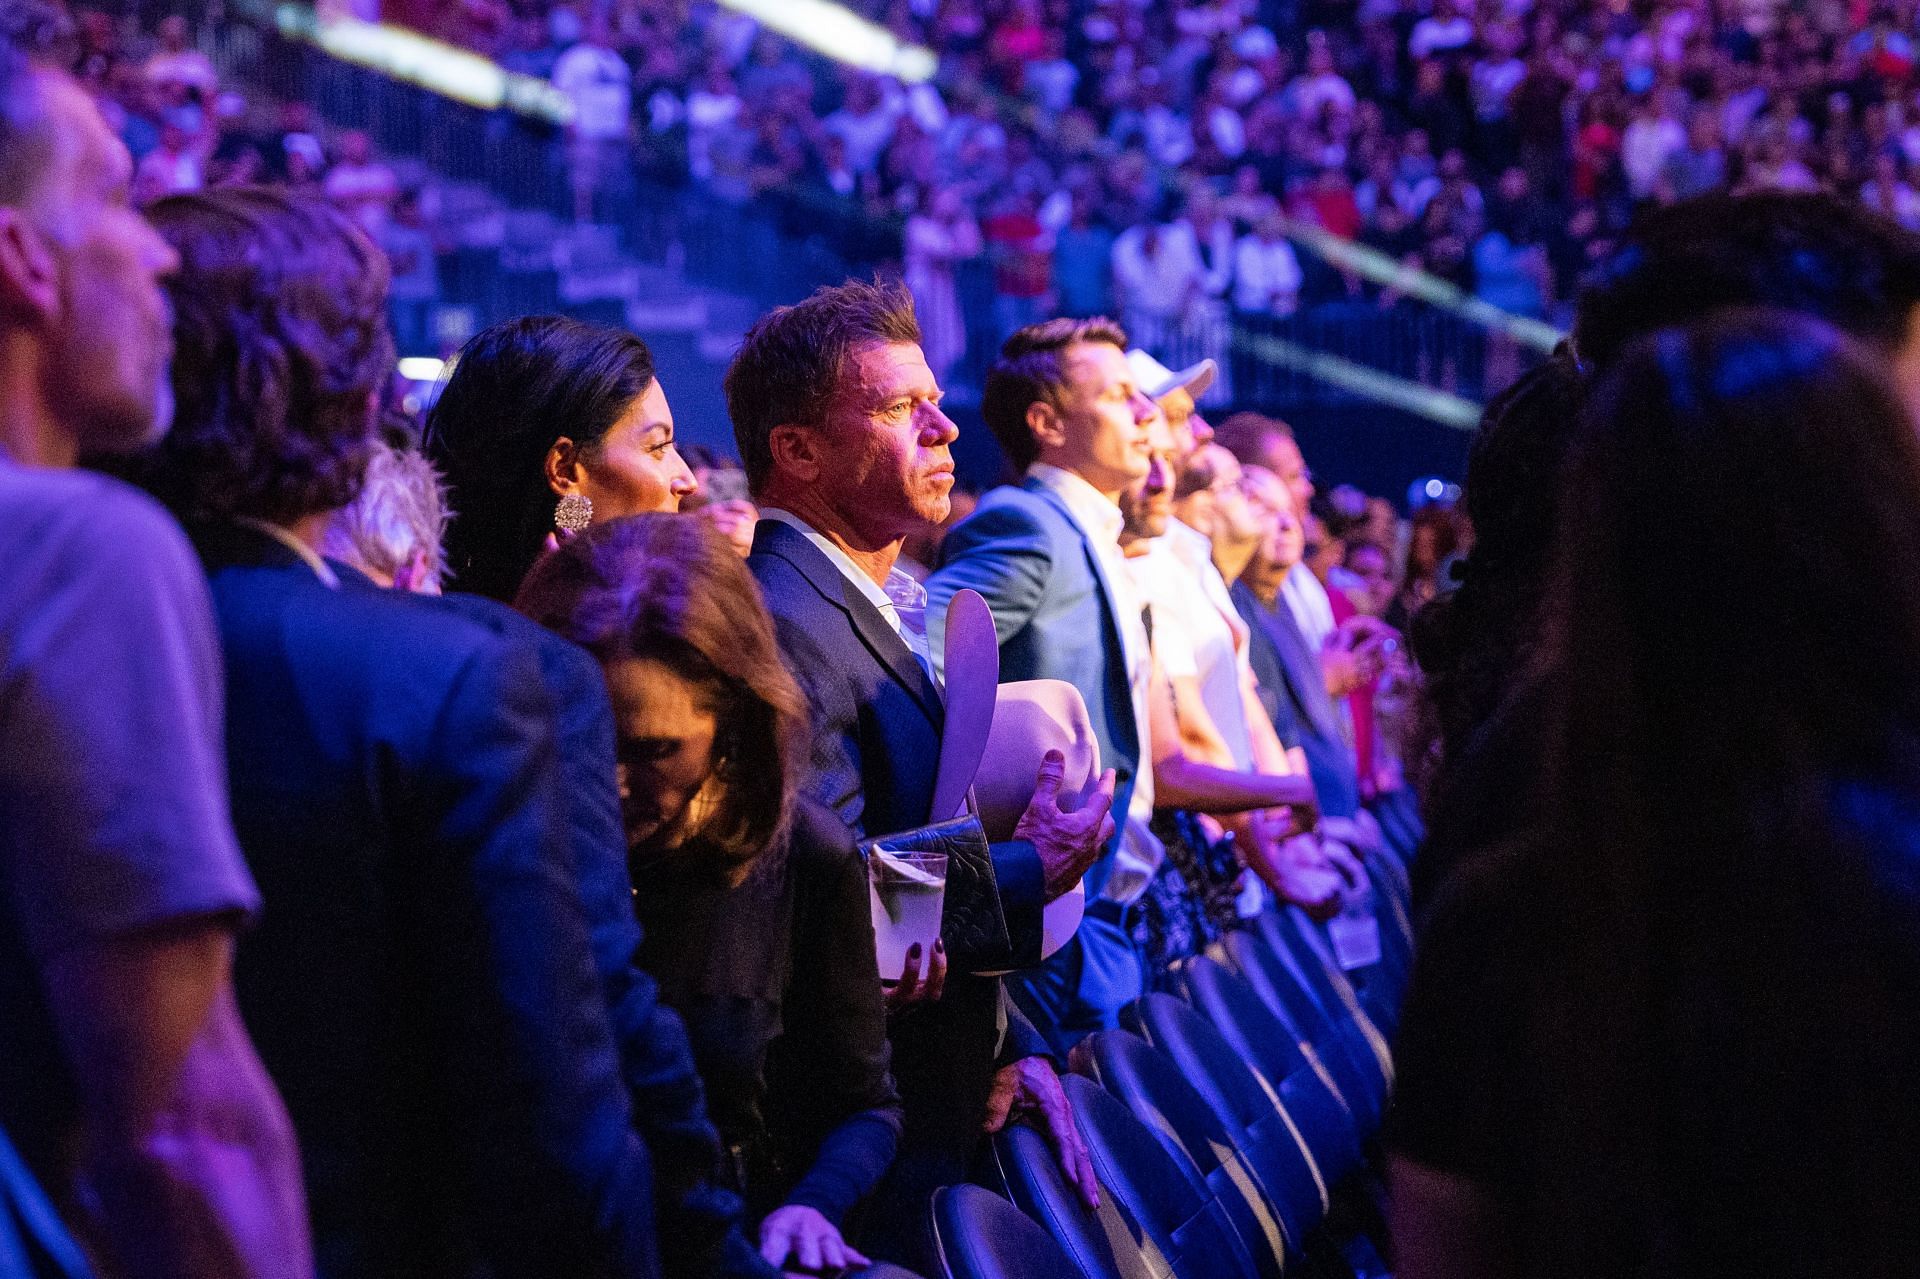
[{"x": 1046, "y": 554}]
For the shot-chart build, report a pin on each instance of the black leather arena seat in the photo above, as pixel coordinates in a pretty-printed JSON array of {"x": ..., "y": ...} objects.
[
  {"x": 1150, "y": 1084},
  {"x": 979, "y": 1235},
  {"x": 1262, "y": 1131},
  {"x": 1281, "y": 981},
  {"x": 1326, "y": 1125},
  {"x": 1104, "y": 1243},
  {"x": 1152, "y": 1220}
]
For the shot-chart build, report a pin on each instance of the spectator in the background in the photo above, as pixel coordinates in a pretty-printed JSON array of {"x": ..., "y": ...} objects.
[
  {"x": 774, "y": 73},
  {"x": 1511, "y": 273},
  {"x": 1437, "y": 535},
  {"x": 416, "y": 283},
  {"x": 175, "y": 166},
  {"x": 1699, "y": 166},
  {"x": 1266, "y": 275},
  {"x": 1157, "y": 276},
  {"x": 1447, "y": 29},
  {"x": 864, "y": 123},
  {"x": 1320, "y": 85},
  {"x": 1889, "y": 193},
  {"x": 1049, "y": 81},
  {"x": 714, "y": 106},
  {"x": 177, "y": 64},
  {"x": 1649, "y": 142},
  {"x": 1022, "y": 251},
  {"x": 938, "y": 237},
  {"x": 599, "y": 84},
  {"x": 361, "y": 186},
  {"x": 1371, "y": 566},
  {"x": 721, "y": 496},
  {"x": 1083, "y": 262}
]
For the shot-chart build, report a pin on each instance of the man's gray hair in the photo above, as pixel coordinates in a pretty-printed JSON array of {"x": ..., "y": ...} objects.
[{"x": 399, "y": 518}]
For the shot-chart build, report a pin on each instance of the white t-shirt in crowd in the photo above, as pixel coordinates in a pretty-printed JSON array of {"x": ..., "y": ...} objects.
[
  {"x": 600, "y": 86},
  {"x": 1266, "y": 276}
]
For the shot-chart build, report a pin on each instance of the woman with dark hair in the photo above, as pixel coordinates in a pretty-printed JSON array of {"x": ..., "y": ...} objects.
[
  {"x": 1472, "y": 762},
  {"x": 544, "y": 426},
  {"x": 1673, "y": 1027},
  {"x": 753, "y": 900}
]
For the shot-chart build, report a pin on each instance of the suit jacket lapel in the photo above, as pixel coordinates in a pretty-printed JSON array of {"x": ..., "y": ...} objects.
[{"x": 886, "y": 646}]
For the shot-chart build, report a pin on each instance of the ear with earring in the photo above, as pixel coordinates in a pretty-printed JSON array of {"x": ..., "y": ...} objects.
[{"x": 574, "y": 513}]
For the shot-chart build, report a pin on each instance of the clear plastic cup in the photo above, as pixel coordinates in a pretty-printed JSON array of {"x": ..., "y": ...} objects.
[{"x": 906, "y": 891}]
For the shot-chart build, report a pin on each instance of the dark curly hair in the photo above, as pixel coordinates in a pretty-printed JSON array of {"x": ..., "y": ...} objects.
[
  {"x": 517, "y": 388},
  {"x": 672, "y": 589},
  {"x": 280, "y": 351}
]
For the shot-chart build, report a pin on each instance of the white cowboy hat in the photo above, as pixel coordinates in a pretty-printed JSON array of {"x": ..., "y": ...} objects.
[
  {"x": 995, "y": 737},
  {"x": 1030, "y": 718}
]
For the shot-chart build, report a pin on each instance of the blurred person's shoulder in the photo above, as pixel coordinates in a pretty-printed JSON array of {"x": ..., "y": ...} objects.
[{"x": 77, "y": 523}]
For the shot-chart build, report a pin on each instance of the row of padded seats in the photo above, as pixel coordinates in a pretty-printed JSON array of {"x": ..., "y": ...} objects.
[{"x": 1231, "y": 1124}]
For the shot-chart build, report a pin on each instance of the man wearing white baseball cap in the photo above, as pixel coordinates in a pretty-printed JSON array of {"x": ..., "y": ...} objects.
[{"x": 1177, "y": 394}]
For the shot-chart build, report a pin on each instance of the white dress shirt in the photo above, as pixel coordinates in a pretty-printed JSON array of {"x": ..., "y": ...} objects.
[
  {"x": 902, "y": 601},
  {"x": 1139, "y": 853},
  {"x": 1197, "y": 631}
]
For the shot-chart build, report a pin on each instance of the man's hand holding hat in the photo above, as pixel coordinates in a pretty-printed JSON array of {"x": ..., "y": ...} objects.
[{"x": 1068, "y": 842}]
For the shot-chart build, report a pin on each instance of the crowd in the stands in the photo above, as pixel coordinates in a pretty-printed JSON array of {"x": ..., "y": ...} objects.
[
  {"x": 506, "y": 845},
  {"x": 1143, "y": 160}
]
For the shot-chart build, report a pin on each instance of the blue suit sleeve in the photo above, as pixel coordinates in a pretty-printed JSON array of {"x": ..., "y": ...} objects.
[
  {"x": 1022, "y": 881},
  {"x": 1001, "y": 552},
  {"x": 833, "y": 773},
  {"x": 1022, "y": 1040}
]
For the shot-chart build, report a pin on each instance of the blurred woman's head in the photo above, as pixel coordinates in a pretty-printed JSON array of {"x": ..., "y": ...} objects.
[
  {"x": 712, "y": 728},
  {"x": 1373, "y": 565},
  {"x": 539, "y": 410},
  {"x": 721, "y": 498}
]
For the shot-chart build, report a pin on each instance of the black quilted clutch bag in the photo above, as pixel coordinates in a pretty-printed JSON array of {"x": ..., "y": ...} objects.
[{"x": 972, "y": 923}]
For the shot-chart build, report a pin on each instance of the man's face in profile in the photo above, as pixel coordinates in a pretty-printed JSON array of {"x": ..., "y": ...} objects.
[{"x": 89, "y": 280}]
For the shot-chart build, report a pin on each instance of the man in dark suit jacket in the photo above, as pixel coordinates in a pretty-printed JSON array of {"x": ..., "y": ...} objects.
[
  {"x": 423, "y": 988},
  {"x": 422, "y": 982},
  {"x": 837, "y": 419}
]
